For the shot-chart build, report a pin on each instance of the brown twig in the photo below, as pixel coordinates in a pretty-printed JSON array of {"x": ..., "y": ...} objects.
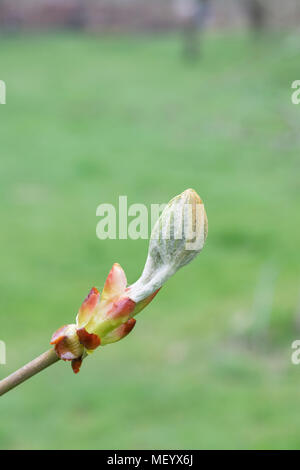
[{"x": 34, "y": 367}]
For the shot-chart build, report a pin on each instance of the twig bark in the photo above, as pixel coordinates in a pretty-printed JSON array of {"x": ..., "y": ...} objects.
[{"x": 34, "y": 367}]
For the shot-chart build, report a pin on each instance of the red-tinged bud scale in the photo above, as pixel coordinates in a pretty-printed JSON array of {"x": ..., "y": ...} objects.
[
  {"x": 76, "y": 364},
  {"x": 89, "y": 340},
  {"x": 120, "y": 332},
  {"x": 66, "y": 343}
]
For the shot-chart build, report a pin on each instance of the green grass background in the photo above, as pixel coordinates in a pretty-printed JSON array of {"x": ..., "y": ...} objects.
[{"x": 88, "y": 119}]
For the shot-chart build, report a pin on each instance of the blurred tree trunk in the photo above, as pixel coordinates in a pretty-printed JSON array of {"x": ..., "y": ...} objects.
[
  {"x": 10, "y": 20},
  {"x": 256, "y": 14},
  {"x": 193, "y": 29},
  {"x": 77, "y": 20},
  {"x": 1, "y": 14}
]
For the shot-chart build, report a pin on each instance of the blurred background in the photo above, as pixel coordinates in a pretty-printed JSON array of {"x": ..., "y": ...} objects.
[{"x": 145, "y": 99}]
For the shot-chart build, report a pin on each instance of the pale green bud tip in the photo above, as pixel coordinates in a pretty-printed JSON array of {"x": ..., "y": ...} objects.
[{"x": 177, "y": 237}]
